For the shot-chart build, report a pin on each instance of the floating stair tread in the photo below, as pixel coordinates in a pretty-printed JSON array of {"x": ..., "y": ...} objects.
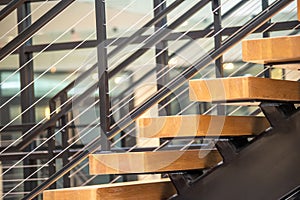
[
  {"x": 148, "y": 190},
  {"x": 151, "y": 162},
  {"x": 242, "y": 89},
  {"x": 201, "y": 126},
  {"x": 272, "y": 50}
]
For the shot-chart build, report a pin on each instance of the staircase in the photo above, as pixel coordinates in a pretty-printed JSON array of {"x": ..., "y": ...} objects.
[
  {"x": 212, "y": 155},
  {"x": 264, "y": 168}
]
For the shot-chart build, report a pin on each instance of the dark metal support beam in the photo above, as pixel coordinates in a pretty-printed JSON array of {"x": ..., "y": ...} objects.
[
  {"x": 104, "y": 104},
  {"x": 216, "y": 8},
  {"x": 162, "y": 58},
  {"x": 266, "y": 34},
  {"x": 64, "y": 139},
  {"x": 27, "y": 95},
  {"x": 51, "y": 144},
  {"x": 32, "y": 29}
]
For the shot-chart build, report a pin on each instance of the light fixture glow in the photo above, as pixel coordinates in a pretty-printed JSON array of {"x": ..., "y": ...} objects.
[{"x": 228, "y": 66}]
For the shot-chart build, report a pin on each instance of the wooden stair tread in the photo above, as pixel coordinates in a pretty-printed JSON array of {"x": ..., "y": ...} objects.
[
  {"x": 272, "y": 50},
  {"x": 150, "y": 190},
  {"x": 150, "y": 162},
  {"x": 201, "y": 126},
  {"x": 241, "y": 89}
]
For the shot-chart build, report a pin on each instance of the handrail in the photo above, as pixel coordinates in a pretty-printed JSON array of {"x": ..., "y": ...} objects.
[
  {"x": 32, "y": 29},
  {"x": 250, "y": 27},
  {"x": 10, "y": 8}
]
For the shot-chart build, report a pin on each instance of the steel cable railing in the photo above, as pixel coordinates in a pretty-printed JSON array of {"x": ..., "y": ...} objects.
[
  {"x": 259, "y": 22},
  {"x": 151, "y": 21},
  {"x": 49, "y": 68},
  {"x": 130, "y": 149}
]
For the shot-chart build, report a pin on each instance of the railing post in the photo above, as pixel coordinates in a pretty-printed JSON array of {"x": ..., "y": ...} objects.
[
  {"x": 51, "y": 145},
  {"x": 64, "y": 141},
  {"x": 218, "y": 37},
  {"x": 161, "y": 58},
  {"x": 217, "y": 24},
  {"x": 266, "y": 34},
  {"x": 104, "y": 104},
  {"x": 27, "y": 96}
]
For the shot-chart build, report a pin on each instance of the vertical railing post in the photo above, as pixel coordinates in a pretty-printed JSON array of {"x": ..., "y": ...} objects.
[
  {"x": 64, "y": 141},
  {"x": 266, "y": 34},
  {"x": 162, "y": 59},
  {"x": 218, "y": 37},
  {"x": 104, "y": 104},
  {"x": 217, "y": 24},
  {"x": 51, "y": 144},
  {"x": 27, "y": 96}
]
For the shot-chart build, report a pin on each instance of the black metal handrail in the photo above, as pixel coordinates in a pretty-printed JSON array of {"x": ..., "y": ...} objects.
[
  {"x": 10, "y": 8},
  {"x": 250, "y": 27},
  {"x": 32, "y": 29}
]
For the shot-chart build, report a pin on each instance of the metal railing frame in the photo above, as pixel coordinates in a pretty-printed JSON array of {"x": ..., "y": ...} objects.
[{"x": 160, "y": 95}]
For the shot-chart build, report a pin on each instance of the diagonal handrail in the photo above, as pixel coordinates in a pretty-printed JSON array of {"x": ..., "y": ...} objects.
[
  {"x": 33, "y": 28},
  {"x": 10, "y": 8},
  {"x": 250, "y": 27}
]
